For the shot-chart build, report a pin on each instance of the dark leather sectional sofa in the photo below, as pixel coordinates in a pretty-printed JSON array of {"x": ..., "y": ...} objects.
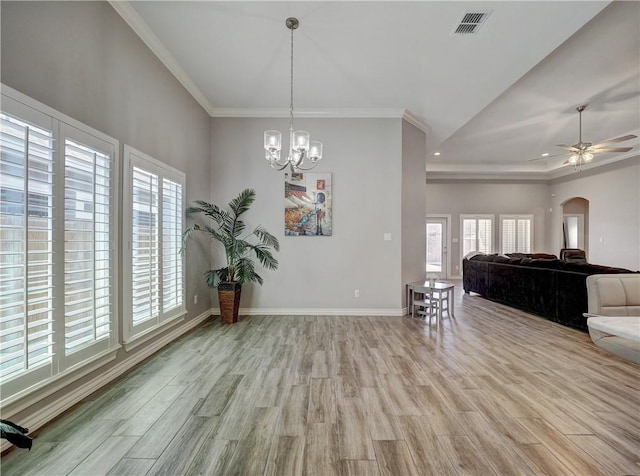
[{"x": 536, "y": 283}]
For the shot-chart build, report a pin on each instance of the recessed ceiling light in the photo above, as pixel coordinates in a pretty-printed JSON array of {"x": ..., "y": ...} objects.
[
  {"x": 436, "y": 153},
  {"x": 546, "y": 154}
]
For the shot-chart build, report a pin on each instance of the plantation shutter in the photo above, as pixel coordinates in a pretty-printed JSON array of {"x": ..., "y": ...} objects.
[
  {"x": 172, "y": 276},
  {"x": 26, "y": 249},
  {"x": 516, "y": 233},
  {"x": 468, "y": 236},
  {"x": 524, "y": 235},
  {"x": 87, "y": 265},
  {"x": 477, "y": 233},
  {"x": 485, "y": 235},
  {"x": 57, "y": 245},
  {"x": 145, "y": 246},
  {"x": 509, "y": 235},
  {"x": 154, "y": 266}
]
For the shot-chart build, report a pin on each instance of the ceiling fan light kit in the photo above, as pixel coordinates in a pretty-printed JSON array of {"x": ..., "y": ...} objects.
[{"x": 583, "y": 152}]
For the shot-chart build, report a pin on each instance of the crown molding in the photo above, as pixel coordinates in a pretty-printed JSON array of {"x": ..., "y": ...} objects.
[
  {"x": 411, "y": 119},
  {"x": 460, "y": 171},
  {"x": 436, "y": 176},
  {"x": 139, "y": 26},
  {"x": 338, "y": 113},
  {"x": 347, "y": 113}
]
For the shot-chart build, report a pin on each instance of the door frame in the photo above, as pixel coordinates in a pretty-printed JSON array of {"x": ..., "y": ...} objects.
[
  {"x": 581, "y": 231},
  {"x": 447, "y": 242}
]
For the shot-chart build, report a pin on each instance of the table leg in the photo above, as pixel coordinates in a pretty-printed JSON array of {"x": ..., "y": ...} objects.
[{"x": 451, "y": 302}]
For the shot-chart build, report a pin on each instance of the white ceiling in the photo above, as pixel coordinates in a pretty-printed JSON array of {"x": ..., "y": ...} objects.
[{"x": 489, "y": 102}]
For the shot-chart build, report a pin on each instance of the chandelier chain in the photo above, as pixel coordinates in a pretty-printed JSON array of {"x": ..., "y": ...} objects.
[{"x": 291, "y": 99}]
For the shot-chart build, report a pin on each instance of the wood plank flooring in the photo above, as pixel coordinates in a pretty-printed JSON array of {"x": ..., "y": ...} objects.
[{"x": 493, "y": 391}]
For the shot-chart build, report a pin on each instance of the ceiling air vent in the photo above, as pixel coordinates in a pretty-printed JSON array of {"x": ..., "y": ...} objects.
[{"x": 470, "y": 23}]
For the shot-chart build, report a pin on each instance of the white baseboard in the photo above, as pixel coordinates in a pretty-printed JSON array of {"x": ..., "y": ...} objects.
[
  {"x": 266, "y": 311},
  {"x": 47, "y": 413}
]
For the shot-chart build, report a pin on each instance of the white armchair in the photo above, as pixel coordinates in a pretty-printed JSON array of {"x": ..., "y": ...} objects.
[{"x": 614, "y": 313}]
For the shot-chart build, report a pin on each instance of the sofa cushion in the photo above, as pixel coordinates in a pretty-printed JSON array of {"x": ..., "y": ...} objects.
[
  {"x": 614, "y": 294},
  {"x": 543, "y": 256},
  {"x": 542, "y": 263}
]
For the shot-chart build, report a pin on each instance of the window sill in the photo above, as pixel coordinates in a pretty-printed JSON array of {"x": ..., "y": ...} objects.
[{"x": 149, "y": 334}]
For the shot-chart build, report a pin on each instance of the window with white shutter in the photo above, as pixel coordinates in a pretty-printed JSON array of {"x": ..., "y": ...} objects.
[
  {"x": 516, "y": 233},
  {"x": 87, "y": 256},
  {"x": 26, "y": 253},
  {"x": 145, "y": 252},
  {"x": 172, "y": 275},
  {"x": 154, "y": 290},
  {"x": 57, "y": 244},
  {"x": 477, "y": 233}
]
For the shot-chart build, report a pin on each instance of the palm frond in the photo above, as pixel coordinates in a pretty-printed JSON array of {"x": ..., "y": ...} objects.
[
  {"x": 214, "y": 277},
  {"x": 185, "y": 237},
  {"x": 212, "y": 211},
  {"x": 242, "y": 202},
  {"x": 267, "y": 238},
  {"x": 246, "y": 271},
  {"x": 227, "y": 231},
  {"x": 265, "y": 257},
  {"x": 237, "y": 228}
]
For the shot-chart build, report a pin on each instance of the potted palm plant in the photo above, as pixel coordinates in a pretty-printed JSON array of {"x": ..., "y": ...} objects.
[{"x": 241, "y": 249}]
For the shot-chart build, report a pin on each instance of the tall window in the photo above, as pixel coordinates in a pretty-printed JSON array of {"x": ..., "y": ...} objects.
[
  {"x": 57, "y": 268},
  {"x": 87, "y": 263},
  {"x": 26, "y": 260},
  {"x": 516, "y": 233},
  {"x": 477, "y": 233},
  {"x": 154, "y": 208}
]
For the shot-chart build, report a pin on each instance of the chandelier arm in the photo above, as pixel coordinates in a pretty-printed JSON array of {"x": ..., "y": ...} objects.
[
  {"x": 279, "y": 167},
  {"x": 305, "y": 169}
]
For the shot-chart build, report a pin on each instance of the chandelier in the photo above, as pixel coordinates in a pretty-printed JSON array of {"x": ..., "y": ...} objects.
[{"x": 300, "y": 145}]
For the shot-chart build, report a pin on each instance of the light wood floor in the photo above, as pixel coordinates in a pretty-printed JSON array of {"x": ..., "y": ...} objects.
[{"x": 493, "y": 391}]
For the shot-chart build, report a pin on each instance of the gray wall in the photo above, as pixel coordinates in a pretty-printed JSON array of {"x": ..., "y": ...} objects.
[
  {"x": 82, "y": 59},
  {"x": 612, "y": 227},
  {"x": 321, "y": 273},
  {"x": 414, "y": 253},
  {"x": 490, "y": 197},
  {"x": 613, "y": 192}
]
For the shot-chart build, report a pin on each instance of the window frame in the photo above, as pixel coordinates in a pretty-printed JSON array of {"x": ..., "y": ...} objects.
[
  {"x": 476, "y": 217},
  {"x": 517, "y": 217},
  {"x": 136, "y": 334},
  {"x": 17, "y": 386}
]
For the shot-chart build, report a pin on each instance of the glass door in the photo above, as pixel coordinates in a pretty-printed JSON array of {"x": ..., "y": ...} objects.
[{"x": 437, "y": 248}]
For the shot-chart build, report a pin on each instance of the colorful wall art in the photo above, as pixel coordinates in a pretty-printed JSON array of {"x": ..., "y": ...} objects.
[{"x": 307, "y": 204}]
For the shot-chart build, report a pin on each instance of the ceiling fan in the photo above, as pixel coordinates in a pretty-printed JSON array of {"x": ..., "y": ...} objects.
[{"x": 583, "y": 152}]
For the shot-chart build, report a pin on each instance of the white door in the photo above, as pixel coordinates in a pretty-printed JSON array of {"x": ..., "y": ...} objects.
[{"x": 437, "y": 247}]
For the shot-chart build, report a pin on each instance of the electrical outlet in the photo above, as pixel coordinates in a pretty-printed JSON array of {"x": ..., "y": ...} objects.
[
  {"x": 195, "y": 299},
  {"x": 356, "y": 293},
  {"x": 457, "y": 267}
]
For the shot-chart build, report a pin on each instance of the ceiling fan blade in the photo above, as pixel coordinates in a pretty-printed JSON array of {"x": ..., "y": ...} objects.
[
  {"x": 568, "y": 147},
  {"x": 612, "y": 149},
  {"x": 614, "y": 141},
  {"x": 566, "y": 162},
  {"x": 549, "y": 157}
]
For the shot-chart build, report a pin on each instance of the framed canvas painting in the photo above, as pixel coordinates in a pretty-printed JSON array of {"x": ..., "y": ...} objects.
[{"x": 307, "y": 204}]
